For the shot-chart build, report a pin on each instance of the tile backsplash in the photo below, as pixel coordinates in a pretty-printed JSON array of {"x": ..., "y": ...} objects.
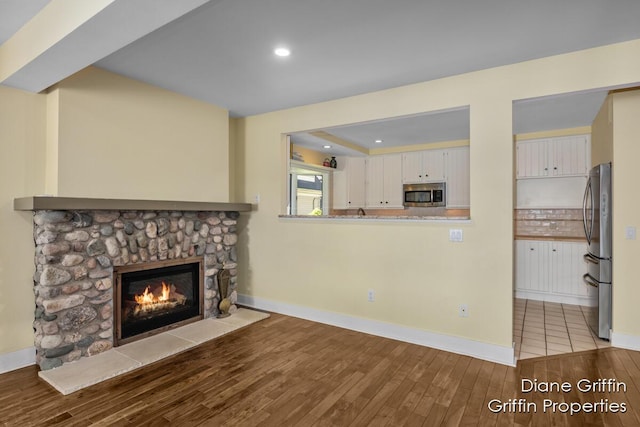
[{"x": 562, "y": 223}]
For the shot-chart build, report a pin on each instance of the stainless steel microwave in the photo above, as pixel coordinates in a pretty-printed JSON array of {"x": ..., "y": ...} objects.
[{"x": 424, "y": 195}]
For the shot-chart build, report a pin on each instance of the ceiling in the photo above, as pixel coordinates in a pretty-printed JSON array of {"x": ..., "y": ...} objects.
[
  {"x": 529, "y": 115},
  {"x": 221, "y": 52},
  {"x": 15, "y": 13}
]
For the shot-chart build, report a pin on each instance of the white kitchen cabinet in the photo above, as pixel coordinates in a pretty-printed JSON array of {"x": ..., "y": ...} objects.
[
  {"x": 423, "y": 166},
  {"x": 384, "y": 181},
  {"x": 349, "y": 183},
  {"x": 553, "y": 157},
  {"x": 458, "y": 177},
  {"x": 567, "y": 268},
  {"x": 532, "y": 271},
  {"x": 552, "y": 271}
]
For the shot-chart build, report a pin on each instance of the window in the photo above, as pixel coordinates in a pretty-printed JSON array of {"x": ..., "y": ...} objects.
[{"x": 308, "y": 190}]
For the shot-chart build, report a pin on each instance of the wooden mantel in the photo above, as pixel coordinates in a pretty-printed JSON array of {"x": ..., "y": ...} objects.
[{"x": 36, "y": 203}]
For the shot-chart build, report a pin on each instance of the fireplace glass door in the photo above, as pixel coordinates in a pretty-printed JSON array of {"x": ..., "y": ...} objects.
[{"x": 154, "y": 299}]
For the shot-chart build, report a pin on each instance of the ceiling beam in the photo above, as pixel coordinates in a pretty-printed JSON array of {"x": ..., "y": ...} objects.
[{"x": 69, "y": 35}]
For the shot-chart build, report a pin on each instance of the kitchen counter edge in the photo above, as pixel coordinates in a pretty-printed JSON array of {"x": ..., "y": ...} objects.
[
  {"x": 378, "y": 218},
  {"x": 552, "y": 238}
]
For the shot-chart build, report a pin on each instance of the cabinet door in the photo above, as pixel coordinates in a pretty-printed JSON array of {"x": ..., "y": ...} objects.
[
  {"x": 567, "y": 268},
  {"x": 339, "y": 185},
  {"x": 375, "y": 182},
  {"x": 532, "y": 158},
  {"x": 356, "y": 182},
  {"x": 458, "y": 178},
  {"x": 412, "y": 167},
  {"x": 348, "y": 183},
  {"x": 532, "y": 264},
  {"x": 392, "y": 183},
  {"x": 569, "y": 155},
  {"x": 433, "y": 165},
  {"x": 559, "y": 156}
]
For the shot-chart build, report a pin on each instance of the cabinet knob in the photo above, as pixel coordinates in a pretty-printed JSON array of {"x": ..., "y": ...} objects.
[
  {"x": 387, "y": 201},
  {"x": 530, "y": 249},
  {"x": 380, "y": 201},
  {"x": 555, "y": 168},
  {"x": 553, "y": 250},
  {"x": 419, "y": 176}
]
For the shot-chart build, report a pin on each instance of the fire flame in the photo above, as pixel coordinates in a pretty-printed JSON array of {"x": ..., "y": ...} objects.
[
  {"x": 149, "y": 298},
  {"x": 148, "y": 303}
]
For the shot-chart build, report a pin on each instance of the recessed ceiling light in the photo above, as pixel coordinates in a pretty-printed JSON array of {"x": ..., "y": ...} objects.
[
  {"x": 327, "y": 146},
  {"x": 378, "y": 141},
  {"x": 282, "y": 51}
]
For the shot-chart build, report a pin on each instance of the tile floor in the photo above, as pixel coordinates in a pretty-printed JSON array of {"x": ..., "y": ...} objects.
[{"x": 543, "y": 328}]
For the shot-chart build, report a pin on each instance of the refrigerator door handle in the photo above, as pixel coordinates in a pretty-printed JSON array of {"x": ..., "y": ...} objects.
[
  {"x": 589, "y": 280},
  {"x": 584, "y": 210},
  {"x": 590, "y": 258}
]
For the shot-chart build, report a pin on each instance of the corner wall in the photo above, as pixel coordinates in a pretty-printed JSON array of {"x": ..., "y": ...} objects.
[
  {"x": 602, "y": 134},
  {"x": 626, "y": 253},
  {"x": 22, "y": 145}
]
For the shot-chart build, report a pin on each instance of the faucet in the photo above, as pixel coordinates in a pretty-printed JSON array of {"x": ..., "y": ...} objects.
[{"x": 361, "y": 212}]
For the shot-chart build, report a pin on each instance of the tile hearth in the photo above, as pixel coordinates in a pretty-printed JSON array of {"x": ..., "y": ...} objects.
[{"x": 119, "y": 360}]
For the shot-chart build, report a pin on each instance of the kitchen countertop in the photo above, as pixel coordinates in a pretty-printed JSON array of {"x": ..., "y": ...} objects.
[
  {"x": 552, "y": 238},
  {"x": 415, "y": 218}
]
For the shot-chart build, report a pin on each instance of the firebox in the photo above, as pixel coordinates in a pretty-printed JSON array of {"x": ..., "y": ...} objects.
[{"x": 157, "y": 296}]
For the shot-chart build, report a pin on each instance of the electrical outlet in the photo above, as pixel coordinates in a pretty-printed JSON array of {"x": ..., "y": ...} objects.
[
  {"x": 630, "y": 233},
  {"x": 463, "y": 310},
  {"x": 256, "y": 199},
  {"x": 455, "y": 235},
  {"x": 371, "y": 295}
]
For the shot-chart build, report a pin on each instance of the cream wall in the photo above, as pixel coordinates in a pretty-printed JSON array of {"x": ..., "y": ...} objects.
[
  {"x": 312, "y": 157},
  {"x": 233, "y": 137},
  {"x": 419, "y": 277},
  {"x": 602, "y": 134},
  {"x": 626, "y": 209},
  {"x": 22, "y": 136},
  {"x": 120, "y": 138}
]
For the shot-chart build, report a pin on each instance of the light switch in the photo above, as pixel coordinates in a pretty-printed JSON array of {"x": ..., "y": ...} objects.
[
  {"x": 630, "y": 232},
  {"x": 455, "y": 235}
]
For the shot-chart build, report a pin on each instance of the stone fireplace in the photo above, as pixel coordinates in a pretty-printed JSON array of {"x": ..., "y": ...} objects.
[{"x": 81, "y": 256}]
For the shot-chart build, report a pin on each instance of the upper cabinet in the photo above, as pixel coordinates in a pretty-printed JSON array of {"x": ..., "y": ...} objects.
[
  {"x": 376, "y": 181},
  {"x": 349, "y": 183},
  {"x": 384, "y": 181},
  {"x": 458, "y": 177},
  {"x": 423, "y": 166},
  {"x": 553, "y": 157}
]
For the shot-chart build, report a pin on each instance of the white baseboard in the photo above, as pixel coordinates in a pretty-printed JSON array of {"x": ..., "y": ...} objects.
[
  {"x": 630, "y": 342},
  {"x": 562, "y": 299},
  {"x": 17, "y": 359},
  {"x": 477, "y": 349}
]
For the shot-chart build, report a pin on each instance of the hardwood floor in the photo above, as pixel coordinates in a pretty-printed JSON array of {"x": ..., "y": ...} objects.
[{"x": 286, "y": 371}]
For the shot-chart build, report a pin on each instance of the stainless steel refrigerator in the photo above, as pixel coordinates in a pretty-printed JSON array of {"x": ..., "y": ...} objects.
[{"x": 596, "y": 214}]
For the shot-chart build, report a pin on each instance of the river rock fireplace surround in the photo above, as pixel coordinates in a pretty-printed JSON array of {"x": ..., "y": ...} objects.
[{"x": 82, "y": 247}]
